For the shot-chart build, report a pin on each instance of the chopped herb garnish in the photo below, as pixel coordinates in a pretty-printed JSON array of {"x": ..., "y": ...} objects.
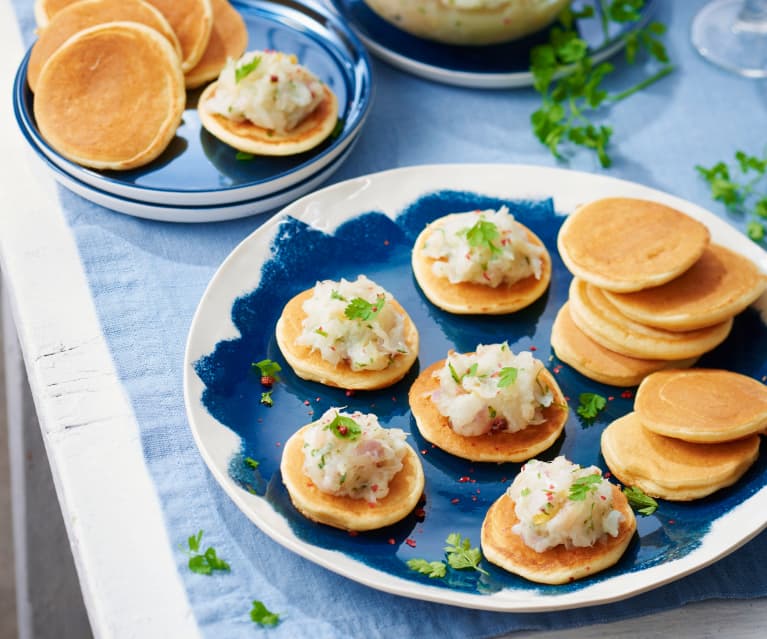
[
  {"x": 743, "y": 191},
  {"x": 204, "y": 563},
  {"x": 434, "y": 569},
  {"x": 643, "y": 504},
  {"x": 252, "y": 463},
  {"x": 363, "y": 310},
  {"x": 582, "y": 486},
  {"x": 461, "y": 555},
  {"x": 335, "y": 295},
  {"x": 261, "y": 615},
  {"x": 453, "y": 374},
  {"x": 482, "y": 234},
  {"x": 525, "y": 492},
  {"x": 344, "y": 427},
  {"x": 268, "y": 368},
  {"x": 266, "y": 398},
  {"x": 320, "y": 332},
  {"x": 589, "y": 405},
  {"x": 242, "y": 155},
  {"x": 570, "y": 81},
  {"x": 244, "y": 70},
  {"x": 507, "y": 376}
]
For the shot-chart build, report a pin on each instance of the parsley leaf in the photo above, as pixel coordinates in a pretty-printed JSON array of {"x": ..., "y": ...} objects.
[
  {"x": 344, "y": 427},
  {"x": 643, "y": 504},
  {"x": 244, "y": 70},
  {"x": 252, "y": 463},
  {"x": 268, "y": 368},
  {"x": 570, "y": 82},
  {"x": 482, "y": 235},
  {"x": 363, "y": 310},
  {"x": 589, "y": 405},
  {"x": 204, "y": 563},
  {"x": 261, "y": 615},
  {"x": 742, "y": 189},
  {"x": 461, "y": 555},
  {"x": 434, "y": 569},
  {"x": 582, "y": 486},
  {"x": 507, "y": 377},
  {"x": 266, "y": 398}
]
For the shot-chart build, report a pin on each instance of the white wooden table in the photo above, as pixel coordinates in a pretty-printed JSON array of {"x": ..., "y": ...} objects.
[{"x": 115, "y": 528}]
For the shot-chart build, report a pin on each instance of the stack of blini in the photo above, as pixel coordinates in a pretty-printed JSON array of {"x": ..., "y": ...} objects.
[
  {"x": 650, "y": 290},
  {"x": 692, "y": 432},
  {"x": 110, "y": 76}
]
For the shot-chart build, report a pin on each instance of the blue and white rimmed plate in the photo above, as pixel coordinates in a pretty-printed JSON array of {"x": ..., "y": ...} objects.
[
  {"x": 199, "y": 170},
  {"x": 367, "y": 225},
  {"x": 482, "y": 67},
  {"x": 190, "y": 214}
]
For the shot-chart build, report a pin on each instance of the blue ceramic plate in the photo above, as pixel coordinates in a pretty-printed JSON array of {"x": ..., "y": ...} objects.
[
  {"x": 368, "y": 225},
  {"x": 486, "y": 67},
  {"x": 199, "y": 170}
]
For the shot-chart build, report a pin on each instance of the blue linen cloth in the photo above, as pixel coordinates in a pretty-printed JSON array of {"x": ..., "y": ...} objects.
[{"x": 147, "y": 278}]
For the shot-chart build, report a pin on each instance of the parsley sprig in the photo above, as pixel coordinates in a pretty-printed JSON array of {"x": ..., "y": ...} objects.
[
  {"x": 643, "y": 504},
  {"x": 507, "y": 377},
  {"x": 344, "y": 427},
  {"x": 459, "y": 554},
  {"x": 583, "y": 486},
  {"x": 742, "y": 189},
  {"x": 206, "y": 562},
  {"x": 244, "y": 70},
  {"x": 570, "y": 81},
  {"x": 589, "y": 405},
  {"x": 262, "y": 616},
  {"x": 483, "y": 235},
  {"x": 363, "y": 310}
]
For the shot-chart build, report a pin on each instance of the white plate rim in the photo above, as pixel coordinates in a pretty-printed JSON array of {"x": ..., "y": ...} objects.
[{"x": 325, "y": 210}]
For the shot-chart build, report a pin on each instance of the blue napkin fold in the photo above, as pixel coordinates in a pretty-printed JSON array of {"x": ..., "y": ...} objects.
[{"x": 148, "y": 277}]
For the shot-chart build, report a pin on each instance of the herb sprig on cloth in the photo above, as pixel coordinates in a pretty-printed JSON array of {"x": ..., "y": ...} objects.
[{"x": 570, "y": 80}]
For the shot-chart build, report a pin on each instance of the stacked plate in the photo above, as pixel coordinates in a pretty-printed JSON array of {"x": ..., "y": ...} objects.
[{"x": 200, "y": 179}]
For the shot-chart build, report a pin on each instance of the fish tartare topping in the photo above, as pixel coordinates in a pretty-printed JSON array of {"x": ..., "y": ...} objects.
[
  {"x": 352, "y": 455},
  {"x": 559, "y": 502},
  {"x": 484, "y": 247},
  {"x": 353, "y": 322},
  {"x": 269, "y": 89},
  {"x": 491, "y": 390}
]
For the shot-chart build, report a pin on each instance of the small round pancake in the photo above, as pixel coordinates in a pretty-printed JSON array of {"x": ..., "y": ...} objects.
[
  {"x": 718, "y": 286},
  {"x": 469, "y": 297},
  {"x": 493, "y": 446},
  {"x": 623, "y": 244},
  {"x": 86, "y": 13},
  {"x": 192, "y": 20},
  {"x": 405, "y": 489},
  {"x": 309, "y": 364},
  {"x": 111, "y": 97},
  {"x": 251, "y": 138},
  {"x": 596, "y": 362},
  {"x": 702, "y": 404},
  {"x": 593, "y": 313},
  {"x": 671, "y": 468},
  {"x": 557, "y": 565},
  {"x": 46, "y": 9},
  {"x": 228, "y": 39}
]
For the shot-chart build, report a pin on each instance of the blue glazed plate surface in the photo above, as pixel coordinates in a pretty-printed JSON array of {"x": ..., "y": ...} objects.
[
  {"x": 197, "y": 169},
  {"x": 489, "y": 67},
  {"x": 367, "y": 225}
]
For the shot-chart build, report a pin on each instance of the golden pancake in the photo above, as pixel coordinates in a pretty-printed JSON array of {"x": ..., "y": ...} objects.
[
  {"x": 593, "y": 313},
  {"x": 623, "y": 244},
  {"x": 557, "y": 565},
  {"x": 251, "y": 138},
  {"x": 470, "y": 297},
  {"x": 596, "y": 362},
  {"x": 495, "y": 446},
  {"x": 462, "y": 24},
  {"x": 719, "y": 285},
  {"x": 405, "y": 489},
  {"x": 46, "y": 9},
  {"x": 111, "y": 97},
  {"x": 228, "y": 39},
  {"x": 192, "y": 20},
  {"x": 87, "y": 13},
  {"x": 702, "y": 405},
  {"x": 671, "y": 468},
  {"x": 309, "y": 364}
]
